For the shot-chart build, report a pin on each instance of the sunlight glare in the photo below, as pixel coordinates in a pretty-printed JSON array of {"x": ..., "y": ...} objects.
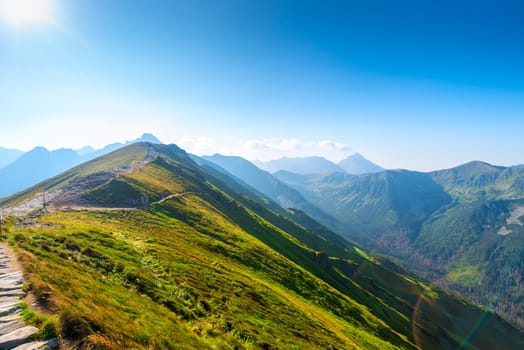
[{"x": 25, "y": 12}]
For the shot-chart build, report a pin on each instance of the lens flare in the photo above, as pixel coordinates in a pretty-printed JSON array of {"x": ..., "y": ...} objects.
[{"x": 19, "y": 13}]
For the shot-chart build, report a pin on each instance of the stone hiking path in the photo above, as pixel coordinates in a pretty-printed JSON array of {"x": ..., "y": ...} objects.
[{"x": 14, "y": 333}]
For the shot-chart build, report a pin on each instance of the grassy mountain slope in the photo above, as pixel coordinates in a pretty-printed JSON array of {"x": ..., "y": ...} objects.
[
  {"x": 170, "y": 257},
  {"x": 254, "y": 200}
]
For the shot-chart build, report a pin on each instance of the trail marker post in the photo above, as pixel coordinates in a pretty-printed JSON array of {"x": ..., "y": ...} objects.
[
  {"x": 44, "y": 203},
  {"x": 1, "y": 223}
]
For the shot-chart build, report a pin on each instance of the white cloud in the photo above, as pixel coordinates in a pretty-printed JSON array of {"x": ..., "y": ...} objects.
[
  {"x": 266, "y": 149},
  {"x": 273, "y": 148},
  {"x": 335, "y": 146},
  {"x": 285, "y": 145},
  {"x": 201, "y": 145}
]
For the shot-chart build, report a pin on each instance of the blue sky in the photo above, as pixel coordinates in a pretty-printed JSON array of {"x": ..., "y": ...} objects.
[{"x": 414, "y": 84}]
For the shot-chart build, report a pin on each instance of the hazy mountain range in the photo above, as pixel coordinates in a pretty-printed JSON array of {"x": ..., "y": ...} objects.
[
  {"x": 21, "y": 170},
  {"x": 144, "y": 248},
  {"x": 354, "y": 164}
]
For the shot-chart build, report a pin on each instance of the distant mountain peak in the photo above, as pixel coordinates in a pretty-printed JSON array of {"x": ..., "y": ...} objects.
[
  {"x": 479, "y": 163},
  {"x": 475, "y": 167},
  {"x": 356, "y": 164},
  {"x": 38, "y": 149},
  {"x": 148, "y": 137},
  {"x": 85, "y": 150}
]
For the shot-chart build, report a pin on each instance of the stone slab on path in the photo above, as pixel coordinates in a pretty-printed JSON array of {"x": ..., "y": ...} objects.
[
  {"x": 17, "y": 337},
  {"x": 10, "y": 318},
  {"x": 9, "y": 301},
  {"x": 9, "y": 310},
  {"x": 12, "y": 293},
  {"x": 9, "y": 287},
  {"x": 8, "y": 327},
  {"x": 36, "y": 345}
]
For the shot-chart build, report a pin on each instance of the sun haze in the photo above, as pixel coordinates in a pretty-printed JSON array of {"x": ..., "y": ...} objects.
[{"x": 19, "y": 13}]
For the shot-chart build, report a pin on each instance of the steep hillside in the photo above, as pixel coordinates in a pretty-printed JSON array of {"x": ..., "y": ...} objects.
[
  {"x": 270, "y": 186},
  {"x": 460, "y": 226},
  {"x": 482, "y": 255},
  {"x": 142, "y": 248}
]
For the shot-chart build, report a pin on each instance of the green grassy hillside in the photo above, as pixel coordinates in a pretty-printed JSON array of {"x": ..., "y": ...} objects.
[{"x": 169, "y": 256}]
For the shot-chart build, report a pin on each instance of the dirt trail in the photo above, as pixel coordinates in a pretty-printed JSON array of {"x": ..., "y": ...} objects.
[
  {"x": 176, "y": 195},
  {"x": 14, "y": 333}
]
